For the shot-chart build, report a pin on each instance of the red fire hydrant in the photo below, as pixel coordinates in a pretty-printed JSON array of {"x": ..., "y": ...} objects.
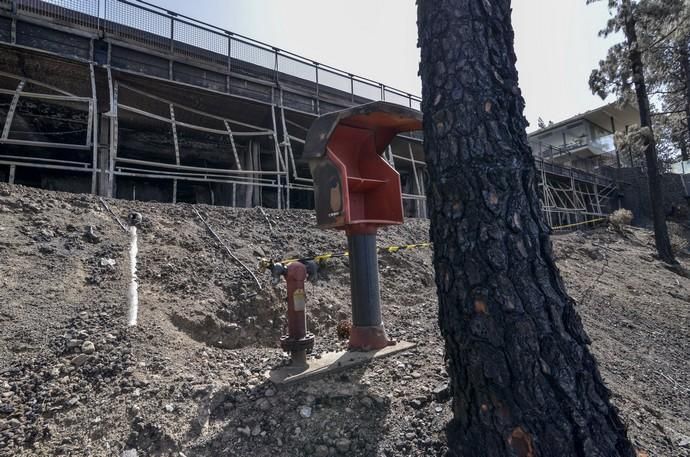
[{"x": 298, "y": 342}]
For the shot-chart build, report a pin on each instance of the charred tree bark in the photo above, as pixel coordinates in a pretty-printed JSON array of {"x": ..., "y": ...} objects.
[
  {"x": 663, "y": 243},
  {"x": 685, "y": 70},
  {"x": 524, "y": 382}
]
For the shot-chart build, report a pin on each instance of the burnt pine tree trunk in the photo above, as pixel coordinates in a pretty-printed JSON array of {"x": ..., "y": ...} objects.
[
  {"x": 685, "y": 71},
  {"x": 523, "y": 379},
  {"x": 663, "y": 243}
]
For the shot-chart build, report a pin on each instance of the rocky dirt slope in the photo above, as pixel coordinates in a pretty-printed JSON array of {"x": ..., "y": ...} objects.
[{"x": 189, "y": 380}]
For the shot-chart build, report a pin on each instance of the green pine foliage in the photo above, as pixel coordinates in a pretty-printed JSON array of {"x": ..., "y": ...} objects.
[{"x": 663, "y": 39}]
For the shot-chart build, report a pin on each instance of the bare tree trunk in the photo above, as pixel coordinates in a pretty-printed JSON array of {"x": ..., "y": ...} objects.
[
  {"x": 663, "y": 243},
  {"x": 685, "y": 71},
  {"x": 524, "y": 382}
]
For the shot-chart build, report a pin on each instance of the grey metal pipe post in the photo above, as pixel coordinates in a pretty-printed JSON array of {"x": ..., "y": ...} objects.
[{"x": 364, "y": 276}]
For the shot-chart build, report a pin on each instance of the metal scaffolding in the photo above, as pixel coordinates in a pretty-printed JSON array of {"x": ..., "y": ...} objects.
[
  {"x": 17, "y": 128},
  {"x": 170, "y": 100}
]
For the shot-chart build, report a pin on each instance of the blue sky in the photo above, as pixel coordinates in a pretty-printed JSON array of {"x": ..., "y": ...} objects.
[{"x": 556, "y": 41}]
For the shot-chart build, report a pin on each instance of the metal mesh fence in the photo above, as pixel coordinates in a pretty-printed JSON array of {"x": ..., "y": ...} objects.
[
  {"x": 334, "y": 80},
  {"x": 297, "y": 68},
  {"x": 200, "y": 43},
  {"x": 396, "y": 97},
  {"x": 153, "y": 27},
  {"x": 366, "y": 90},
  {"x": 82, "y": 13},
  {"x": 248, "y": 59},
  {"x": 141, "y": 25}
]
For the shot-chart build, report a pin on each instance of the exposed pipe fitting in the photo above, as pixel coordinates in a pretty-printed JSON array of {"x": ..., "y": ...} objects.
[
  {"x": 367, "y": 332},
  {"x": 298, "y": 342},
  {"x": 134, "y": 219}
]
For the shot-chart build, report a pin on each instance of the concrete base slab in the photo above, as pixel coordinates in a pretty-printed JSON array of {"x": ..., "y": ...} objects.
[{"x": 330, "y": 362}]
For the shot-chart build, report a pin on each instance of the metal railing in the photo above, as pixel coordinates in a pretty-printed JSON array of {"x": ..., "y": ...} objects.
[
  {"x": 80, "y": 13},
  {"x": 177, "y": 35},
  {"x": 567, "y": 171},
  {"x": 599, "y": 146}
]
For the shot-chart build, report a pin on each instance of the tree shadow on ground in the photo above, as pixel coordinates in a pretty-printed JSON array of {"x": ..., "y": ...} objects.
[{"x": 331, "y": 415}]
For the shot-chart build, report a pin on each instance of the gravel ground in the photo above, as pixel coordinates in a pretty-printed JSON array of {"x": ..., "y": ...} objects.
[{"x": 189, "y": 380}]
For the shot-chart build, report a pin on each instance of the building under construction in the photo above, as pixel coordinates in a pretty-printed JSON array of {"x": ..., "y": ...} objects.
[{"x": 125, "y": 99}]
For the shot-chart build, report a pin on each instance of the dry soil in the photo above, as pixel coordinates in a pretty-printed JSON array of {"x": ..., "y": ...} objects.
[{"x": 189, "y": 380}]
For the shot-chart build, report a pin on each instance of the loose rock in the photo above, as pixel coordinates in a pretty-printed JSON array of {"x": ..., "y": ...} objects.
[
  {"x": 80, "y": 360},
  {"x": 343, "y": 445},
  {"x": 88, "y": 347}
]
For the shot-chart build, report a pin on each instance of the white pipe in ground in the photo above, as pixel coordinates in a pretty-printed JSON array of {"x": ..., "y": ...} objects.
[{"x": 132, "y": 293}]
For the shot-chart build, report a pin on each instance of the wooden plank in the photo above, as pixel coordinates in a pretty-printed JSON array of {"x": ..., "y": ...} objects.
[
  {"x": 199, "y": 77},
  {"x": 67, "y": 44},
  {"x": 140, "y": 62}
]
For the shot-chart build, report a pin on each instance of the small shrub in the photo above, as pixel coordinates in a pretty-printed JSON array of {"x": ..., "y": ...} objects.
[{"x": 620, "y": 218}]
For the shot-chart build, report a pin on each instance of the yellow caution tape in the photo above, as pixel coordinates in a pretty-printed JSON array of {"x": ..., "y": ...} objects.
[
  {"x": 267, "y": 263},
  {"x": 404, "y": 247}
]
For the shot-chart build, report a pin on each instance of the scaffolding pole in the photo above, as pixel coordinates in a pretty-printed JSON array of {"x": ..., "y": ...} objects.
[
  {"x": 93, "y": 111},
  {"x": 277, "y": 151},
  {"x": 176, "y": 145},
  {"x": 111, "y": 192},
  {"x": 420, "y": 191},
  {"x": 232, "y": 144},
  {"x": 12, "y": 109}
]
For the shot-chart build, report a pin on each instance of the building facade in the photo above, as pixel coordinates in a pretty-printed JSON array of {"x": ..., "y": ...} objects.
[{"x": 585, "y": 141}]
